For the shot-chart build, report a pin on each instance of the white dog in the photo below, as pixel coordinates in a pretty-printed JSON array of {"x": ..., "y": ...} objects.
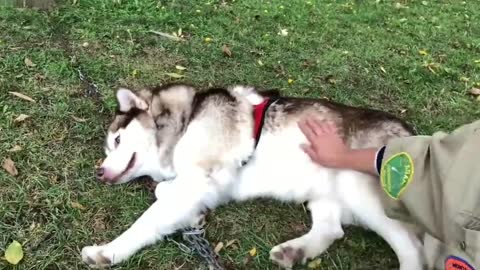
[{"x": 204, "y": 145}]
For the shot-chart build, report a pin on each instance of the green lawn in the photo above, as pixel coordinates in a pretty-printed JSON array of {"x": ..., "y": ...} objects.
[{"x": 416, "y": 59}]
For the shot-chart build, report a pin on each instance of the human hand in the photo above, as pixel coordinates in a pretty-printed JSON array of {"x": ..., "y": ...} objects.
[{"x": 326, "y": 146}]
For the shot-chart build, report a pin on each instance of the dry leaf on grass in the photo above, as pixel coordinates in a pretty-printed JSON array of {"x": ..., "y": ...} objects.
[
  {"x": 231, "y": 242},
  {"x": 253, "y": 252},
  {"x": 226, "y": 50},
  {"x": 166, "y": 35},
  {"x": 21, "y": 118},
  {"x": 180, "y": 67},
  {"x": 315, "y": 264},
  {"x": 77, "y": 205},
  {"x": 28, "y": 62},
  {"x": 9, "y": 166},
  {"x": 423, "y": 52},
  {"x": 16, "y": 148},
  {"x": 14, "y": 253},
  {"x": 218, "y": 247},
  {"x": 22, "y": 96},
  {"x": 474, "y": 91},
  {"x": 78, "y": 119},
  {"x": 175, "y": 75}
]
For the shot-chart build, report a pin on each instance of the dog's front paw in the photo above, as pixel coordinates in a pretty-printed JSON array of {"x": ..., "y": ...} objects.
[
  {"x": 287, "y": 256},
  {"x": 95, "y": 257}
]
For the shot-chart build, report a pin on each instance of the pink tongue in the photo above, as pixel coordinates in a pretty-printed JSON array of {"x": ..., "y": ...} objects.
[{"x": 108, "y": 175}]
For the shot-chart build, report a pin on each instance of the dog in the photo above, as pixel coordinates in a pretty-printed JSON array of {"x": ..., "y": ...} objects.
[{"x": 207, "y": 148}]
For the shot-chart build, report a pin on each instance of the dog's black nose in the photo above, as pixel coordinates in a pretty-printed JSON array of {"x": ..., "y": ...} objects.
[{"x": 99, "y": 172}]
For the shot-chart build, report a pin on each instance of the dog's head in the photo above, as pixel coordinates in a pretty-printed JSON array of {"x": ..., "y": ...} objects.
[{"x": 141, "y": 136}]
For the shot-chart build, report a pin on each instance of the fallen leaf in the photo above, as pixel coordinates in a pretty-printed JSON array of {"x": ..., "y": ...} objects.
[
  {"x": 180, "y": 67},
  {"x": 330, "y": 79},
  {"x": 218, "y": 247},
  {"x": 78, "y": 119},
  {"x": 28, "y": 62},
  {"x": 22, "y": 96},
  {"x": 135, "y": 73},
  {"x": 175, "y": 75},
  {"x": 253, "y": 252},
  {"x": 16, "y": 148},
  {"x": 383, "y": 69},
  {"x": 402, "y": 111},
  {"x": 423, "y": 52},
  {"x": 475, "y": 91},
  {"x": 207, "y": 39},
  {"x": 21, "y": 118},
  {"x": 77, "y": 205},
  {"x": 290, "y": 81},
  {"x": 14, "y": 253},
  {"x": 260, "y": 62},
  {"x": 283, "y": 32},
  {"x": 85, "y": 44},
  {"x": 226, "y": 50},
  {"x": 9, "y": 166},
  {"x": 229, "y": 243},
  {"x": 166, "y": 35},
  {"x": 315, "y": 264}
]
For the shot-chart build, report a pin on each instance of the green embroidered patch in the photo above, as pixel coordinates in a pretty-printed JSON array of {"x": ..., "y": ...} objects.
[{"x": 396, "y": 174}]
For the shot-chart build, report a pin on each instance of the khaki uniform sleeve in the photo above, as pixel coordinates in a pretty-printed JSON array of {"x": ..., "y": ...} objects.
[{"x": 436, "y": 180}]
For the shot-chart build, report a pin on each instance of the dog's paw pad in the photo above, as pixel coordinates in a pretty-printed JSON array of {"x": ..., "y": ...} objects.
[
  {"x": 287, "y": 256},
  {"x": 94, "y": 257}
]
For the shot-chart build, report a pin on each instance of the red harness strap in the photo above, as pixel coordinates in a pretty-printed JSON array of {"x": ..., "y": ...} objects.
[
  {"x": 258, "y": 120},
  {"x": 259, "y": 117}
]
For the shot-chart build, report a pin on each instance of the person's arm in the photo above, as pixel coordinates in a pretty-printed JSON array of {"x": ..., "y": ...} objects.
[{"x": 326, "y": 148}]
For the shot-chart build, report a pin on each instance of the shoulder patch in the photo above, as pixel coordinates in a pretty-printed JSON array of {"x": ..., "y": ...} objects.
[
  {"x": 396, "y": 174},
  {"x": 456, "y": 263}
]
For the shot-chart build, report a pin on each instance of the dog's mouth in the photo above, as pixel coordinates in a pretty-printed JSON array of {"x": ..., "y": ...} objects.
[{"x": 130, "y": 165}]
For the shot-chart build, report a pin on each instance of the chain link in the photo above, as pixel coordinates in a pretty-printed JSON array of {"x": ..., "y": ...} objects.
[
  {"x": 196, "y": 242},
  {"x": 92, "y": 88}
]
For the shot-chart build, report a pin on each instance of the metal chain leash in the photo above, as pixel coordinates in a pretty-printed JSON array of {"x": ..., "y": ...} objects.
[
  {"x": 91, "y": 87},
  {"x": 196, "y": 242}
]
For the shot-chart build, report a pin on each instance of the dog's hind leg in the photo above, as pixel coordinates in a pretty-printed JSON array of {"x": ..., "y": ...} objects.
[
  {"x": 178, "y": 205},
  {"x": 326, "y": 228},
  {"x": 360, "y": 195}
]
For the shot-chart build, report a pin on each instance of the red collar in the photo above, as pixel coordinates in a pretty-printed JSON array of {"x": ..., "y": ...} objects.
[{"x": 259, "y": 117}]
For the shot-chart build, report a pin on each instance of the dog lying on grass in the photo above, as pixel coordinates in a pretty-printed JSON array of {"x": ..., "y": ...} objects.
[{"x": 220, "y": 145}]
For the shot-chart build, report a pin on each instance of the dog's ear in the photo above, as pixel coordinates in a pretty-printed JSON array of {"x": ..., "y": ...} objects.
[{"x": 128, "y": 100}]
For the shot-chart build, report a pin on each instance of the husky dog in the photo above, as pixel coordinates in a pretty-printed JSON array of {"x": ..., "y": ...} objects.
[{"x": 201, "y": 147}]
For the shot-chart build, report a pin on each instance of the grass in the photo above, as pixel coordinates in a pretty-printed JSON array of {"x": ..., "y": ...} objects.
[{"x": 416, "y": 59}]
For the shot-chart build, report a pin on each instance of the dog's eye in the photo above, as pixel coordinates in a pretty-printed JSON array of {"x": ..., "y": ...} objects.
[{"x": 117, "y": 140}]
